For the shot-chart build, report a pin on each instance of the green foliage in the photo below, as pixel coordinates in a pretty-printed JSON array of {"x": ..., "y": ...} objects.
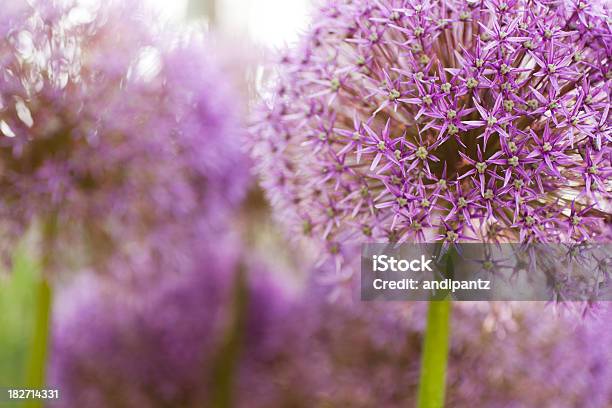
[{"x": 17, "y": 301}]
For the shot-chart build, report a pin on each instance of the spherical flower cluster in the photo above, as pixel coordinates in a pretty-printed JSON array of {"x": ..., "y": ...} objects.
[
  {"x": 363, "y": 356},
  {"x": 403, "y": 121},
  {"x": 167, "y": 342},
  {"x": 156, "y": 347},
  {"x": 148, "y": 345},
  {"x": 112, "y": 126}
]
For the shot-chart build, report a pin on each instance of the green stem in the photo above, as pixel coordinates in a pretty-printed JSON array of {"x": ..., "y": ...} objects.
[
  {"x": 432, "y": 384},
  {"x": 225, "y": 369},
  {"x": 37, "y": 364}
]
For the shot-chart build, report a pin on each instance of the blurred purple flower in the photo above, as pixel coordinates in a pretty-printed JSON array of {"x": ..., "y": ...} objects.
[
  {"x": 157, "y": 347},
  {"x": 412, "y": 121},
  {"x": 148, "y": 345},
  {"x": 113, "y": 127},
  {"x": 161, "y": 343},
  {"x": 360, "y": 355}
]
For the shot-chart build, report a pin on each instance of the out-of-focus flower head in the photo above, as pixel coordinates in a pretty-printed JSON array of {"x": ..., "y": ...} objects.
[
  {"x": 168, "y": 342},
  {"x": 337, "y": 354},
  {"x": 402, "y": 121},
  {"x": 112, "y": 126},
  {"x": 159, "y": 349},
  {"x": 160, "y": 339}
]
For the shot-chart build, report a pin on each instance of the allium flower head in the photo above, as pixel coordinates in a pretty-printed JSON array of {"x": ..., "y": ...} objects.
[
  {"x": 449, "y": 120},
  {"x": 111, "y": 126},
  {"x": 165, "y": 342},
  {"x": 360, "y": 355},
  {"x": 158, "y": 345},
  {"x": 153, "y": 345}
]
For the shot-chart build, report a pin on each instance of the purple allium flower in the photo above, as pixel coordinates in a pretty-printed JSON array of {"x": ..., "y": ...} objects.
[
  {"x": 112, "y": 126},
  {"x": 157, "y": 345},
  {"x": 413, "y": 121},
  {"x": 145, "y": 345},
  {"x": 161, "y": 342},
  {"x": 360, "y": 355},
  {"x": 525, "y": 355}
]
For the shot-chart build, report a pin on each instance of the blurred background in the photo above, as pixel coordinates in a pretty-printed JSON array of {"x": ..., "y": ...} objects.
[
  {"x": 269, "y": 24},
  {"x": 264, "y": 25},
  {"x": 272, "y": 23}
]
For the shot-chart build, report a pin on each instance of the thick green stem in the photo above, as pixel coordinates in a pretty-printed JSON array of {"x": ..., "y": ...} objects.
[
  {"x": 432, "y": 385},
  {"x": 37, "y": 363},
  {"x": 227, "y": 361}
]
